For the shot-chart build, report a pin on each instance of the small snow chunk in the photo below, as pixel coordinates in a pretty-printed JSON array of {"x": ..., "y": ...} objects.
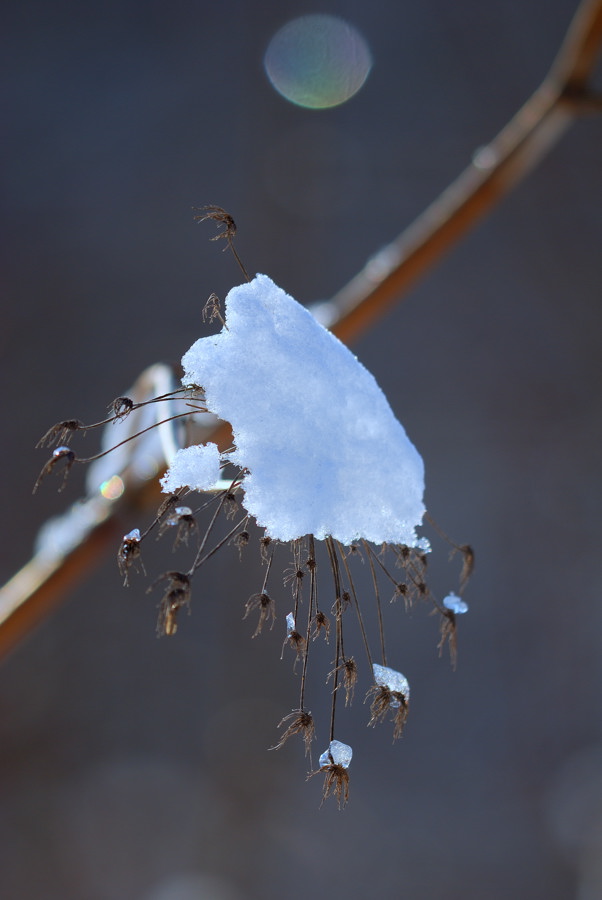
[
  {"x": 133, "y": 535},
  {"x": 337, "y": 753},
  {"x": 394, "y": 681},
  {"x": 324, "y": 453},
  {"x": 290, "y": 624},
  {"x": 195, "y": 467},
  {"x": 455, "y": 604}
]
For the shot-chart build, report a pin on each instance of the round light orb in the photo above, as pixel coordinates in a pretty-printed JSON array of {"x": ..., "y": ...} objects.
[{"x": 317, "y": 61}]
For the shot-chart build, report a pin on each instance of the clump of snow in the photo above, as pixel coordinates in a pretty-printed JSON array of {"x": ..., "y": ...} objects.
[
  {"x": 196, "y": 467},
  {"x": 455, "y": 604},
  {"x": 391, "y": 679},
  {"x": 338, "y": 753},
  {"x": 324, "y": 453},
  {"x": 290, "y": 624}
]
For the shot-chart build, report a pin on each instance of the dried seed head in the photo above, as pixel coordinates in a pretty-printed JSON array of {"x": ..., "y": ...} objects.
[
  {"x": 219, "y": 215},
  {"x": 467, "y": 564},
  {"x": 321, "y": 623},
  {"x": 61, "y": 454},
  {"x": 348, "y": 670},
  {"x": 301, "y": 722},
  {"x": 267, "y": 610},
  {"x": 177, "y": 594},
  {"x": 129, "y": 555},
  {"x": 231, "y": 504},
  {"x": 336, "y": 783},
  {"x": 311, "y": 564},
  {"x": 448, "y": 631},
  {"x": 60, "y": 432},
  {"x": 294, "y": 575},
  {"x": 383, "y": 700},
  {"x": 212, "y": 311},
  {"x": 294, "y": 639},
  {"x": 121, "y": 407},
  {"x": 264, "y": 544},
  {"x": 241, "y": 540},
  {"x": 401, "y": 590},
  {"x": 182, "y": 519}
]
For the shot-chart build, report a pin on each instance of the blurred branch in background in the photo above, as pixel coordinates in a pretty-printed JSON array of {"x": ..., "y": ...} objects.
[{"x": 81, "y": 536}]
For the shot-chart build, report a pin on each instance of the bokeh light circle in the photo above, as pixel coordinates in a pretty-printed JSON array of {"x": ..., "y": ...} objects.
[{"x": 317, "y": 61}]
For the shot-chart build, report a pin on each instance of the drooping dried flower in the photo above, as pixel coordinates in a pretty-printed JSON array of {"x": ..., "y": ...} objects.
[
  {"x": 60, "y": 455},
  {"x": 129, "y": 555},
  {"x": 177, "y": 594},
  {"x": 264, "y": 603},
  {"x": 301, "y": 722}
]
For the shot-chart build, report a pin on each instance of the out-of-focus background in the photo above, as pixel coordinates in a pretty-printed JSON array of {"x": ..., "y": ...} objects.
[{"x": 136, "y": 769}]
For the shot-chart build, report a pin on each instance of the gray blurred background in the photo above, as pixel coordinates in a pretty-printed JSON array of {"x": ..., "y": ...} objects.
[{"x": 136, "y": 769}]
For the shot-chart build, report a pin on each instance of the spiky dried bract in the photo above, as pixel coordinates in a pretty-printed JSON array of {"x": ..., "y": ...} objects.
[
  {"x": 301, "y": 722},
  {"x": 383, "y": 700},
  {"x": 336, "y": 783},
  {"x": 129, "y": 555},
  {"x": 60, "y": 455},
  {"x": 267, "y": 610},
  {"x": 60, "y": 432},
  {"x": 177, "y": 594}
]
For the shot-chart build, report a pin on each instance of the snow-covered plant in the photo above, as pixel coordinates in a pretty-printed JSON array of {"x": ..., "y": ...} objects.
[{"x": 316, "y": 456}]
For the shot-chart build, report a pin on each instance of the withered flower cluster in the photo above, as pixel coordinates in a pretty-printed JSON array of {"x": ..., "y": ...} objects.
[{"x": 315, "y": 615}]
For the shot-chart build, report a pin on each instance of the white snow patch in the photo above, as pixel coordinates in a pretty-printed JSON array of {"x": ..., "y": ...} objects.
[
  {"x": 196, "y": 467},
  {"x": 324, "y": 452}
]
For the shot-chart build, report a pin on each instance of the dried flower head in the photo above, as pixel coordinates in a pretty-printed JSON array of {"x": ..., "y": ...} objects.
[
  {"x": 120, "y": 408},
  {"x": 385, "y": 700},
  {"x": 241, "y": 540},
  {"x": 334, "y": 763},
  {"x": 212, "y": 310},
  {"x": 60, "y": 432},
  {"x": 321, "y": 624},
  {"x": 177, "y": 594},
  {"x": 336, "y": 783},
  {"x": 181, "y": 519},
  {"x": 296, "y": 642},
  {"x": 60, "y": 455},
  {"x": 129, "y": 555},
  {"x": 264, "y": 603},
  {"x": 391, "y": 691},
  {"x": 347, "y": 669},
  {"x": 301, "y": 722}
]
